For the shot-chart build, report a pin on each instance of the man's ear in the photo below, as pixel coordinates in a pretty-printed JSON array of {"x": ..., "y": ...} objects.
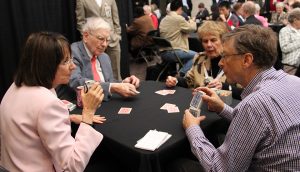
[
  {"x": 248, "y": 60},
  {"x": 85, "y": 36}
]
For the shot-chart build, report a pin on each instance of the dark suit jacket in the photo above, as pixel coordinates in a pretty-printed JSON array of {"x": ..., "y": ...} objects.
[
  {"x": 83, "y": 71},
  {"x": 252, "y": 20}
]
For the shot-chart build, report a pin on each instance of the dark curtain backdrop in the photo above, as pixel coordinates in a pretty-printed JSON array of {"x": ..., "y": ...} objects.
[{"x": 19, "y": 18}]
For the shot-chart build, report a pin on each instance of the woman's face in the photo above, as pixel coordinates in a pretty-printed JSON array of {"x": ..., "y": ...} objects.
[
  {"x": 212, "y": 45},
  {"x": 64, "y": 69}
]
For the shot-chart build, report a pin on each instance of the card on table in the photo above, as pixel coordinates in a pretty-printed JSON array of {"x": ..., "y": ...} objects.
[
  {"x": 165, "y": 92},
  {"x": 173, "y": 109},
  {"x": 167, "y": 105},
  {"x": 124, "y": 110}
]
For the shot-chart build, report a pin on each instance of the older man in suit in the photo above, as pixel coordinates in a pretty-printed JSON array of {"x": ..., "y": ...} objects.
[
  {"x": 108, "y": 10},
  {"x": 93, "y": 64}
]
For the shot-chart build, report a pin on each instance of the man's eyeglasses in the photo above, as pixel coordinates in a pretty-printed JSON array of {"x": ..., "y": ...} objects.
[
  {"x": 68, "y": 61},
  {"x": 100, "y": 38},
  {"x": 227, "y": 55}
]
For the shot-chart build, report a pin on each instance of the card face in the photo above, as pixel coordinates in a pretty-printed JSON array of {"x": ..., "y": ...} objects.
[
  {"x": 167, "y": 105},
  {"x": 165, "y": 92},
  {"x": 173, "y": 109},
  {"x": 125, "y": 110}
]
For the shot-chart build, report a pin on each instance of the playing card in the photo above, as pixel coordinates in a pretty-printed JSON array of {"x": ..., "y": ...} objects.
[
  {"x": 173, "y": 109},
  {"x": 124, "y": 110},
  {"x": 162, "y": 92},
  {"x": 69, "y": 105},
  {"x": 167, "y": 105},
  {"x": 170, "y": 91}
]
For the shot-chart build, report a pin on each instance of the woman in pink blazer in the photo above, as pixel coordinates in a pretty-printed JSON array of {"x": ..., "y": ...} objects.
[{"x": 35, "y": 129}]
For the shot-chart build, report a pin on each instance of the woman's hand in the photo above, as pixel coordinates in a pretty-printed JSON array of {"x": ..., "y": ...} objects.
[
  {"x": 91, "y": 101},
  {"x": 78, "y": 118}
]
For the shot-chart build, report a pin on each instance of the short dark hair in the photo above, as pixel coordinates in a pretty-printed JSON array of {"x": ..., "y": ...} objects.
[
  {"x": 175, "y": 5},
  {"x": 41, "y": 55},
  {"x": 201, "y": 5},
  {"x": 225, "y": 4},
  {"x": 259, "y": 41}
]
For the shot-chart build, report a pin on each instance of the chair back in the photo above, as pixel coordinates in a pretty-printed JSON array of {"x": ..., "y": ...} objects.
[
  {"x": 162, "y": 42},
  {"x": 152, "y": 33}
]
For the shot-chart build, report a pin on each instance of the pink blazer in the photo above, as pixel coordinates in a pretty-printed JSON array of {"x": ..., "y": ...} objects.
[{"x": 35, "y": 133}]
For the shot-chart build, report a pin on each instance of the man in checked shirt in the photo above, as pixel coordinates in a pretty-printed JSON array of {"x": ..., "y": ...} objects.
[{"x": 264, "y": 134}]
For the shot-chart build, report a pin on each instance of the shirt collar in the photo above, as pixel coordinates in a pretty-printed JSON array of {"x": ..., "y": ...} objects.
[
  {"x": 88, "y": 51},
  {"x": 53, "y": 91},
  {"x": 173, "y": 13},
  {"x": 255, "y": 81}
]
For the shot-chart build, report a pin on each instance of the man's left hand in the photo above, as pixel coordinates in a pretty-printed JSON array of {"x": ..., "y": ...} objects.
[
  {"x": 189, "y": 119},
  {"x": 132, "y": 80}
]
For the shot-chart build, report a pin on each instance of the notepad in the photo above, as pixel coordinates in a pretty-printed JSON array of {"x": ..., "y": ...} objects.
[{"x": 152, "y": 140}]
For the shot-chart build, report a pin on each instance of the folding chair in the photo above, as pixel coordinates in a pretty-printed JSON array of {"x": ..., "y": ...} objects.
[
  {"x": 149, "y": 52},
  {"x": 164, "y": 44}
]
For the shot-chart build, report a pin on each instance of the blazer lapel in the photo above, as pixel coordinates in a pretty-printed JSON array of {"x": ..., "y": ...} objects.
[{"x": 85, "y": 60}]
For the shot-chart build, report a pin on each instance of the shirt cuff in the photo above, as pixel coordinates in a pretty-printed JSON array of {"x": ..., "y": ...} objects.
[
  {"x": 109, "y": 89},
  {"x": 193, "y": 132},
  {"x": 226, "y": 112}
]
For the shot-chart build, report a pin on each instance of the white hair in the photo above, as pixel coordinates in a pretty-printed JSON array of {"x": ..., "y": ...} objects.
[
  {"x": 94, "y": 23},
  {"x": 257, "y": 7},
  {"x": 147, "y": 9},
  {"x": 280, "y": 4}
]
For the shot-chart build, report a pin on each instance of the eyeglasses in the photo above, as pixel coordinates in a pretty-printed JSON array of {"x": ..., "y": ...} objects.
[
  {"x": 100, "y": 38},
  {"x": 226, "y": 55},
  {"x": 68, "y": 61}
]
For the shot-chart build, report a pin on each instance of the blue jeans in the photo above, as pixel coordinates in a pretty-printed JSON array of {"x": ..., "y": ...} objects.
[{"x": 185, "y": 57}]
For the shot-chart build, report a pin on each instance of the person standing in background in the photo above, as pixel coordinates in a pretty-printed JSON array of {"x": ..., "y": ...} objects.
[{"x": 108, "y": 10}]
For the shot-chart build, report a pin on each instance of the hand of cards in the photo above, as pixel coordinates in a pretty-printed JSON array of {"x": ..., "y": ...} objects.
[
  {"x": 196, "y": 104},
  {"x": 87, "y": 85}
]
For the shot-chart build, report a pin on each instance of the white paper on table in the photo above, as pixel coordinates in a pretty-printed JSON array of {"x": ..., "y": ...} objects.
[{"x": 152, "y": 140}]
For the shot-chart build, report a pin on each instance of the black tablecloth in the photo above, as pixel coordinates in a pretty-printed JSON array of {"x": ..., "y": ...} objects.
[{"x": 121, "y": 132}]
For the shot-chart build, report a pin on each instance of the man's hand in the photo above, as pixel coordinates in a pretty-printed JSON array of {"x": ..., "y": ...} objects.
[
  {"x": 132, "y": 80},
  {"x": 222, "y": 17},
  {"x": 215, "y": 84},
  {"x": 124, "y": 89},
  {"x": 189, "y": 119},
  {"x": 213, "y": 101},
  {"x": 171, "y": 81}
]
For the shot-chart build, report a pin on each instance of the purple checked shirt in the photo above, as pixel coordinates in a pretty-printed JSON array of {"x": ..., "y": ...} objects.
[{"x": 264, "y": 134}]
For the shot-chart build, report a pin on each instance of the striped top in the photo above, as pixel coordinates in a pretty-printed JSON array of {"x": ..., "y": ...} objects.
[{"x": 264, "y": 134}]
